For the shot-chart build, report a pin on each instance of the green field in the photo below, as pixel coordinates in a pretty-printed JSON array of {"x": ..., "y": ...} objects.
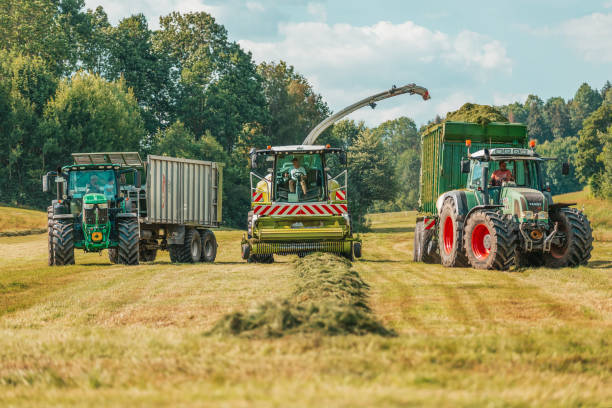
[{"x": 108, "y": 335}]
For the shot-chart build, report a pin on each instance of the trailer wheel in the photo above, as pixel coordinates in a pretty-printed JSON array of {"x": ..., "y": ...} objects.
[
  {"x": 191, "y": 249},
  {"x": 450, "y": 236},
  {"x": 578, "y": 239},
  {"x": 145, "y": 254},
  {"x": 127, "y": 251},
  {"x": 418, "y": 245},
  {"x": 209, "y": 246},
  {"x": 113, "y": 255},
  {"x": 63, "y": 243},
  {"x": 489, "y": 241},
  {"x": 50, "y": 235}
]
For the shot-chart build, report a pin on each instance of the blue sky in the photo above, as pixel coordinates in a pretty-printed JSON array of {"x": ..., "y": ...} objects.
[{"x": 491, "y": 52}]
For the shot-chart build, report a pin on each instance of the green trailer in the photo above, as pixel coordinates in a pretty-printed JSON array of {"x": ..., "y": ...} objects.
[{"x": 483, "y": 202}]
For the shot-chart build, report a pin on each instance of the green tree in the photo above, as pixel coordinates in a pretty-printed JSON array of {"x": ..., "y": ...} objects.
[
  {"x": 557, "y": 116},
  {"x": 564, "y": 149},
  {"x": 590, "y": 145},
  {"x": 606, "y": 160},
  {"x": 294, "y": 106},
  {"x": 343, "y": 133},
  {"x": 585, "y": 102},
  {"x": 178, "y": 141},
  {"x": 515, "y": 112},
  {"x": 370, "y": 175},
  {"x": 89, "y": 113},
  {"x": 220, "y": 90},
  {"x": 537, "y": 128}
]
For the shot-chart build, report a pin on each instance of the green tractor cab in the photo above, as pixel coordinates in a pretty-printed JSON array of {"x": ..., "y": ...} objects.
[
  {"x": 504, "y": 214},
  {"x": 298, "y": 204}
]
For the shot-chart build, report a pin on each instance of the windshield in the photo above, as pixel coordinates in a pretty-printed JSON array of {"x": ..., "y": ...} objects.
[
  {"x": 521, "y": 172},
  {"x": 92, "y": 181},
  {"x": 299, "y": 178}
]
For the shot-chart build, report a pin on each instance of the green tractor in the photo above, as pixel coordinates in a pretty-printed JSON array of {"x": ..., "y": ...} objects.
[
  {"x": 90, "y": 213},
  {"x": 503, "y": 214}
]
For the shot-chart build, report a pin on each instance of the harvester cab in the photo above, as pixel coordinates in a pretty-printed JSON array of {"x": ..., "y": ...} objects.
[{"x": 298, "y": 203}]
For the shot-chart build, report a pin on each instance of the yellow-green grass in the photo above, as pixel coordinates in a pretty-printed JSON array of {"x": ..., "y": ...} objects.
[
  {"x": 19, "y": 219},
  {"x": 109, "y": 335},
  {"x": 598, "y": 210}
]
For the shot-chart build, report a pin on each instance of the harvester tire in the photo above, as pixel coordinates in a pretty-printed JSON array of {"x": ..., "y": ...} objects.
[
  {"x": 357, "y": 249},
  {"x": 245, "y": 250},
  {"x": 489, "y": 241},
  {"x": 250, "y": 225},
  {"x": 209, "y": 246},
  {"x": 129, "y": 239},
  {"x": 450, "y": 236},
  {"x": 191, "y": 249},
  {"x": 579, "y": 239},
  {"x": 113, "y": 255},
  {"x": 266, "y": 259},
  {"x": 63, "y": 243},
  {"x": 50, "y": 235}
]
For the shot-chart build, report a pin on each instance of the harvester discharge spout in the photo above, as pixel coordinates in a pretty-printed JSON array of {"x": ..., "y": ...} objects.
[{"x": 410, "y": 89}]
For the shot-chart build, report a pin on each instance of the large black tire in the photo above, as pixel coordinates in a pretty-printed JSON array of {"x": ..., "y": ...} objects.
[
  {"x": 450, "y": 236},
  {"x": 579, "y": 239},
  {"x": 209, "y": 246},
  {"x": 357, "y": 249},
  {"x": 113, "y": 255},
  {"x": 191, "y": 249},
  {"x": 489, "y": 241},
  {"x": 50, "y": 235},
  {"x": 63, "y": 243},
  {"x": 128, "y": 249},
  {"x": 266, "y": 259},
  {"x": 527, "y": 259},
  {"x": 429, "y": 253}
]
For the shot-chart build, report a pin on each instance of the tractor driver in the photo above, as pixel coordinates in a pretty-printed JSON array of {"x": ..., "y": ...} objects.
[
  {"x": 501, "y": 175},
  {"x": 93, "y": 186},
  {"x": 297, "y": 174},
  {"x": 109, "y": 188}
]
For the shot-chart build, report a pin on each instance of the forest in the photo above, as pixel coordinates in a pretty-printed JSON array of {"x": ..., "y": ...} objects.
[{"x": 70, "y": 81}]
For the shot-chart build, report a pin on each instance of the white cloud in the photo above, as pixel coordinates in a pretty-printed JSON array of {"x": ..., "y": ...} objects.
[
  {"x": 453, "y": 102},
  {"x": 317, "y": 10},
  {"x": 591, "y": 36},
  {"x": 505, "y": 99},
  {"x": 607, "y": 4},
  {"x": 254, "y": 6}
]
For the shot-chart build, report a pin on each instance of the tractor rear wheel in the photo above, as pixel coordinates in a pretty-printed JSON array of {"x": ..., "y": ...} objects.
[
  {"x": 209, "y": 246},
  {"x": 113, "y": 255},
  {"x": 489, "y": 241},
  {"x": 50, "y": 235},
  {"x": 450, "y": 234},
  {"x": 63, "y": 243},
  {"x": 578, "y": 239},
  {"x": 127, "y": 251},
  {"x": 191, "y": 249}
]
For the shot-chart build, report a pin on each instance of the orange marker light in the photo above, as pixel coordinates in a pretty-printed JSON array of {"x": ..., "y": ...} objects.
[
  {"x": 532, "y": 143},
  {"x": 269, "y": 147},
  {"x": 328, "y": 145},
  {"x": 468, "y": 142}
]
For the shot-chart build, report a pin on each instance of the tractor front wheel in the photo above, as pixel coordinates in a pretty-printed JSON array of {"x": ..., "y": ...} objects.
[
  {"x": 578, "y": 244},
  {"x": 63, "y": 243},
  {"x": 450, "y": 236},
  {"x": 128, "y": 249},
  {"x": 489, "y": 242}
]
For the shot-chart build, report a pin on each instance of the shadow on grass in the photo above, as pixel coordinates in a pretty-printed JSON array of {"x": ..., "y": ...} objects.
[
  {"x": 391, "y": 230},
  {"x": 600, "y": 264}
]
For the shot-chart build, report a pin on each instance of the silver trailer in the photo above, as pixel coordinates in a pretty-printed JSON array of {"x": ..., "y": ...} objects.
[{"x": 176, "y": 207}]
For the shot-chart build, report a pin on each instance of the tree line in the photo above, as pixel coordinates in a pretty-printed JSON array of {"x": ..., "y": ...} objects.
[{"x": 72, "y": 82}]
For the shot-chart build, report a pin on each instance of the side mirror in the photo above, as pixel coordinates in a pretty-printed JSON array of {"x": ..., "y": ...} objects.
[
  {"x": 565, "y": 168},
  {"x": 342, "y": 158},
  {"x": 137, "y": 181},
  {"x": 253, "y": 156},
  {"x": 465, "y": 166},
  {"x": 45, "y": 183}
]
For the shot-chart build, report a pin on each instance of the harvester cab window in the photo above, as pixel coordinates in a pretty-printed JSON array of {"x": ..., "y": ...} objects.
[
  {"x": 299, "y": 178},
  {"x": 82, "y": 182}
]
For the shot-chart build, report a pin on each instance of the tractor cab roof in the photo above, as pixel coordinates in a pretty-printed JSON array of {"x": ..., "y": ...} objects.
[
  {"x": 505, "y": 153},
  {"x": 101, "y": 166},
  {"x": 298, "y": 149}
]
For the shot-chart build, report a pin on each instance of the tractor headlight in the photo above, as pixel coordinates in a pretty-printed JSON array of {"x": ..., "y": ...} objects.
[
  {"x": 528, "y": 215},
  {"x": 543, "y": 215},
  {"x": 88, "y": 206},
  {"x": 103, "y": 206}
]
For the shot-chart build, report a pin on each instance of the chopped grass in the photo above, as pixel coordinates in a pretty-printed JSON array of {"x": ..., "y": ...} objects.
[
  {"x": 329, "y": 298},
  {"x": 474, "y": 113}
]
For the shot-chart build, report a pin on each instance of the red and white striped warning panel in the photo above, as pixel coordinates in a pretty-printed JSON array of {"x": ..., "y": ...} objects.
[
  {"x": 257, "y": 196},
  {"x": 429, "y": 223},
  {"x": 340, "y": 195},
  {"x": 300, "y": 209}
]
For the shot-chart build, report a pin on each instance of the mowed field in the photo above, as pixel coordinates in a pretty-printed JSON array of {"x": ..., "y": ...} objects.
[{"x": 107, "y": 335}]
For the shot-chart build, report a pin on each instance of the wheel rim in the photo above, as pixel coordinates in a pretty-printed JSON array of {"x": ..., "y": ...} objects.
[
  {"x": 557, "y": 251},
  {"x": 208, "y": 248},
  {"x": 195, "y": 248},
  {"x": 448, "y": 235},
  {"x": 481, "y": 241}
]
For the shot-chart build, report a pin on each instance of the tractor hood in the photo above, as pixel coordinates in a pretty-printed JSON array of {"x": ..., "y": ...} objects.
[{"x": 525, "y": 203}]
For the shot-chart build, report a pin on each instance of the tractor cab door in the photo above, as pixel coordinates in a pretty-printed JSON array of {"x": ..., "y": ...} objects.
[{"x": 336, "y": 176}]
